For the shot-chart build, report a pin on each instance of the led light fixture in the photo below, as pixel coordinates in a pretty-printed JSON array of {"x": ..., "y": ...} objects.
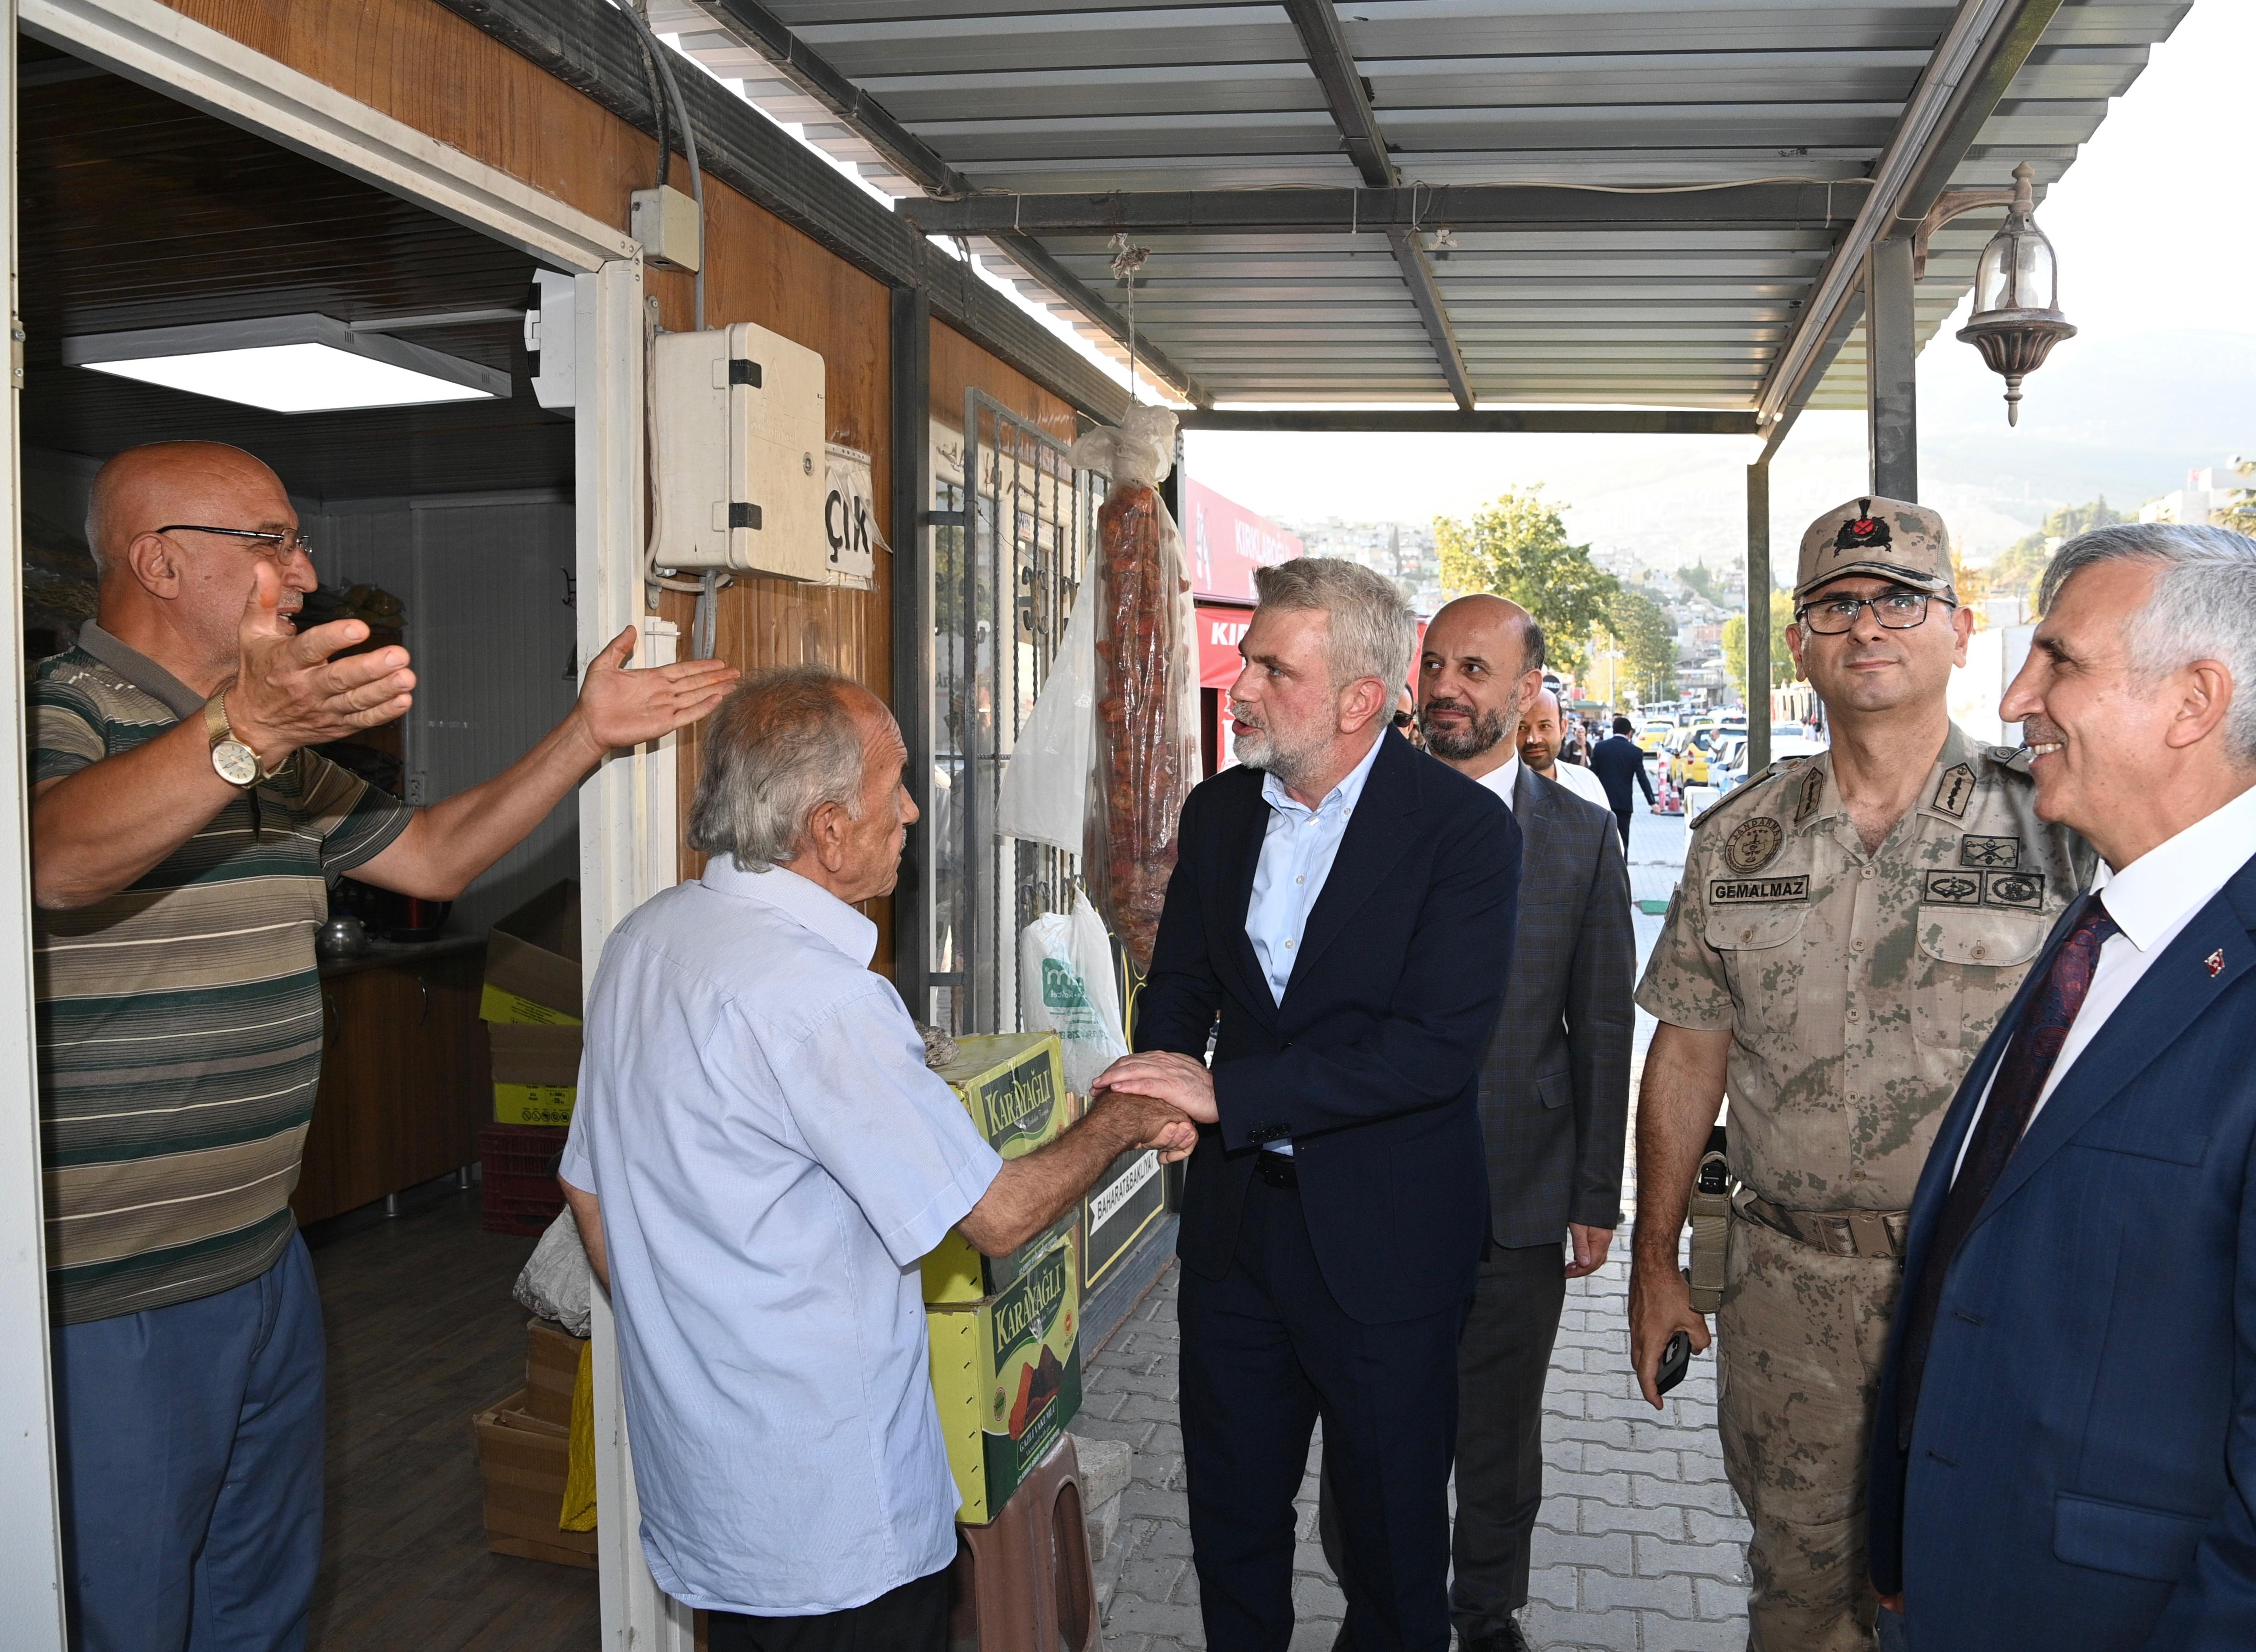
[{"x": 288, "y": 364}]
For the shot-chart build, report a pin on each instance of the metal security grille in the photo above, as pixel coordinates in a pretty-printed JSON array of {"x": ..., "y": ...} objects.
[{"x": 1004, "y": 584}]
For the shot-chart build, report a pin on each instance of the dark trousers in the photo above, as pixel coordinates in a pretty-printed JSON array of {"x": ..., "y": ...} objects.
[
  {"x": 189, "y": 1443},
  {"x": 913, "y": 1618},
  {"x": 1621, "y": 817},
  {"x": 1265, "y": 1352},
  {"x": 1503, "y": 1360}
]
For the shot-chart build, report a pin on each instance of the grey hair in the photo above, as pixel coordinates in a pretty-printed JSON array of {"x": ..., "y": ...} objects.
[
  {"x": 1372, "y": 628},
  {"x": 2202, "y": 605},
  {"x": 783, "y": 745}
]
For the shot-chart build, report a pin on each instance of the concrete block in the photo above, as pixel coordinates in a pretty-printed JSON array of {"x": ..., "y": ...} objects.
[{"x": 1106, "y": 1466}]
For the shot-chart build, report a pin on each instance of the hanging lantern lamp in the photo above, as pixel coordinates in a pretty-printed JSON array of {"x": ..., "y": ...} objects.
[{"x": 2017, "y": 318}]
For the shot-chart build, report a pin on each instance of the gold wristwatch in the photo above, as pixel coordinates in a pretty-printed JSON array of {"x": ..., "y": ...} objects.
[{"x": 236, "y": 763}]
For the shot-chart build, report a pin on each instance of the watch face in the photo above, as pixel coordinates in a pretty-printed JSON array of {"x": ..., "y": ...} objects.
[{"x": 236, "y": 763}]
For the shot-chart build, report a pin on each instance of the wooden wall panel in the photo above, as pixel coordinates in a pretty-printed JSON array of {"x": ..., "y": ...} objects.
[
  {"x": 958, "y": 364},
  {"x": 424, "y": 66}
]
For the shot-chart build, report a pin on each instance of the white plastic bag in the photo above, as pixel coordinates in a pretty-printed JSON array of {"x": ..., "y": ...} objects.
[
  {"x": 1067, "y": 986},
  {"x": 557, "y": 1282},
  {"x": 1045, "y": 791}
]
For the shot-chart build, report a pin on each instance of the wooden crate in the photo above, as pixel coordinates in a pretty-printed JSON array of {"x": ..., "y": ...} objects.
[{"x": 525, "y": 1461}]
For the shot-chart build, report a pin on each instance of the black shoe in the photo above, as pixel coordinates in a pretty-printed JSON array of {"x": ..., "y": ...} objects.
[{"x": 1508, "y": 1639}]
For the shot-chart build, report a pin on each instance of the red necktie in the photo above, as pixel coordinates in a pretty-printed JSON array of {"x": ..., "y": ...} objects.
[{"x": 2018, "y": 1082}]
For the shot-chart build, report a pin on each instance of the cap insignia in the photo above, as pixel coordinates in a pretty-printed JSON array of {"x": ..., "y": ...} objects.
[{"x": 1865, "y": 532}]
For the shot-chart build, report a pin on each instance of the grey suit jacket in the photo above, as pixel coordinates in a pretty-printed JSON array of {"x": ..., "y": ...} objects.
[{"x": 1555, "y": 1082}]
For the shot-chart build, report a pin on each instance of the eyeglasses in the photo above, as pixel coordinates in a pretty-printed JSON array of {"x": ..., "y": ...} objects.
[
  {"x": 1896, "y": 611},
  {"x": 286, "y": 545}
]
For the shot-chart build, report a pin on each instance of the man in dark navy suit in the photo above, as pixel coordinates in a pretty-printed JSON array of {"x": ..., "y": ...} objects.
[
  {"x": 1343, "y": 906},
  {"x": 2065, "y": 1452},
  {"x": 1618, "y": 763}
]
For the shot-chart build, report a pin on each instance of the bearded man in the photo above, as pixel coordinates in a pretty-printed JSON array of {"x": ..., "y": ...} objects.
[{"x": 1344, "y": 905}]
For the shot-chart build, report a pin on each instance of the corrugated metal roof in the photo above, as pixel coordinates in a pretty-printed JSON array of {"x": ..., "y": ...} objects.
[{"x": 1066, "y": 96}]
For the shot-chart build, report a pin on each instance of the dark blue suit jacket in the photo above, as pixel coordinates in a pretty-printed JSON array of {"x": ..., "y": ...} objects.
[
  {"x": 1370, "y": 1063},
  {"x": 2083, "y": 1469}
]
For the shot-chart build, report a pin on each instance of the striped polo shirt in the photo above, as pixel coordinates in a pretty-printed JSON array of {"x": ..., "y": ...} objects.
[{"x": 180, "y": 1019}]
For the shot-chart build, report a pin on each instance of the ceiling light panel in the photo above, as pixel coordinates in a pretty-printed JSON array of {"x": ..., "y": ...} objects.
[{"x": 288, "y": 364}]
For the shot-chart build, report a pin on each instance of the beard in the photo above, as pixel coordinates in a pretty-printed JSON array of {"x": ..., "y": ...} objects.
[
  {"x": 1273, "y": 751},
  {"x": 1480, "y": 733}
]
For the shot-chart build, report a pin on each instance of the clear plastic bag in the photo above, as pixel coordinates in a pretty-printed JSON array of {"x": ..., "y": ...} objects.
[
  {"x": 557, "y": 1282},
  {"x": 1045, "y": 792},
  {"x": 1146, "y": 755}
]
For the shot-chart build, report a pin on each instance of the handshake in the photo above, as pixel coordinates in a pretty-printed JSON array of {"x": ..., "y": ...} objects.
[{"x": 1165, "y": 1095}]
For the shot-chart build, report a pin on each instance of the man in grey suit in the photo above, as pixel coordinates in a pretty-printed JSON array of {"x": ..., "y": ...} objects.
[{"x": 1554, "y": 1098}]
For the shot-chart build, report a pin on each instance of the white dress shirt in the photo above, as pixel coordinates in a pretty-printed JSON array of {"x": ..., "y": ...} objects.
[
  {"x": 1582, "y": 782},
  {"x": 1297, "y": 852},
  {"x": 1504, "y": 780},
  {"x": 773, "y": 1158},
  {"x": 2151, "y": 900}
]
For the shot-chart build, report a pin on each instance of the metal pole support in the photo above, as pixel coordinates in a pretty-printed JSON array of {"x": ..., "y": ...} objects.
[
  {"x": 1758, "y": 637},
  {"x": 911, "y": 465},
  {"x": 1890, "y": 362}
]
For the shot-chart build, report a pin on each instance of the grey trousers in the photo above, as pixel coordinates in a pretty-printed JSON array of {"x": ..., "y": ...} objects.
[{"x": 1503, "y": 1360}]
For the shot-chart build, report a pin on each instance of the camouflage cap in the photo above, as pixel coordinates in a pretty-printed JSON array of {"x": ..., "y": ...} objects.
[{"x": 1884, "y": 539}]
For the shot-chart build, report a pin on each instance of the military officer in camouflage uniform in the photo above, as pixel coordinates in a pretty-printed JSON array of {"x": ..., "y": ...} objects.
[{"x": 1849, "y": 927}]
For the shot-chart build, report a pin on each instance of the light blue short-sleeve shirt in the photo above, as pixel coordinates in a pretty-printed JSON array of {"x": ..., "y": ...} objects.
[{"x": 772, "y": 1159}]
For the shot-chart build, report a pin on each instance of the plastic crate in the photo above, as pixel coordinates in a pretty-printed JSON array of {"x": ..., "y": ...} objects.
[{"x": 517, "y": 1171}]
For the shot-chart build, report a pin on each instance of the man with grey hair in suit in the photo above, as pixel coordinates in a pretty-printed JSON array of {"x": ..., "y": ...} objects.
[{"x": 1553, "y": 1099}]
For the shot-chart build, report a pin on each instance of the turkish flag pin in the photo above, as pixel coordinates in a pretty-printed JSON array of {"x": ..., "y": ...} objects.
[{"x": 2216, "y": 962}]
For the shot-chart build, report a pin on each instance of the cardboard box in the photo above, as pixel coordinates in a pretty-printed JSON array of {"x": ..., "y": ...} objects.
[
  {"x": 532, "y": 961},
  {"x": 552, "y": 1370},
  {"x": 1126, "y": 1200},
  {"x": 1013, "y": 1086},
  {"x": 536, "y": 1071},
  {"x": 525, "y": 1461},
  {"x": 957, "y": 1272},
  {"x": 1007, "y": 1374}
]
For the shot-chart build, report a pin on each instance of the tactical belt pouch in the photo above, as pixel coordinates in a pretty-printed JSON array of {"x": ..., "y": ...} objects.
[
  {"x": 1711, "y": 1221},
  {"x": 1869, "y": 1233}
]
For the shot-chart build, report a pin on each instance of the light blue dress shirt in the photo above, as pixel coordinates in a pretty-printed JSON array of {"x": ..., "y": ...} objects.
[
  {"x": 1297, "y": 852},
  {"x": 772, "y": 1159}
]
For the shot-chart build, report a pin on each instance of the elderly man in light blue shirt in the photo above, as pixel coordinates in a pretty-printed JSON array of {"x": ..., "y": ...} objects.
[{"x": 757, "y": 1161}]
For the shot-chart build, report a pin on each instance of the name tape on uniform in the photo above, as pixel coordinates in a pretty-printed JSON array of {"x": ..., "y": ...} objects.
[{"x": 1726, "y": 892}]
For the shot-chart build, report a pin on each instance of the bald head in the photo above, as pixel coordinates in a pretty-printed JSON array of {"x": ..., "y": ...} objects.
[
  {"x": 1497, "y": 621},
  {"x": 1481, "y": 659},
  {"x": 144, "y": 489},
  {"x": 1540, "y": 734}
]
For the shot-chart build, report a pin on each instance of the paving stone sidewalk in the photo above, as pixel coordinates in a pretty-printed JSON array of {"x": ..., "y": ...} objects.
[{"x": 1640, "y": 1546}]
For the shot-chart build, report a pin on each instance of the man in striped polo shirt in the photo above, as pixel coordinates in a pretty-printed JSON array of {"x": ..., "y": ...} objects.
[{"x": 182, "y": 830}]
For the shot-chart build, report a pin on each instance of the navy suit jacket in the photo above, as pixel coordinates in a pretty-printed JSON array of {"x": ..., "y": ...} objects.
[
  {"x": 2082, "y": 1471},
  {"x": 1371, "y": 1064}
]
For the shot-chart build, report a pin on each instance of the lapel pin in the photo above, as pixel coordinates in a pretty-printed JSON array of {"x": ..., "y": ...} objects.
[{"x": 2216, "y": 962}]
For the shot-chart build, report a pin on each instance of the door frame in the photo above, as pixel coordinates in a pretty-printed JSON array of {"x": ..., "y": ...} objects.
[{"x": 627, "y": 810}]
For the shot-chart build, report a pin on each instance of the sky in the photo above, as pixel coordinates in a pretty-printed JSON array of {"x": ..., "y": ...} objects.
[{"x": 2155, "y": 247}]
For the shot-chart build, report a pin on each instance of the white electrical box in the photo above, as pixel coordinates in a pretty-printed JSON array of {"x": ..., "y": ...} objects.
[
  {"x": 742, "y": 442},
  {"x": 669, "y": 225}
]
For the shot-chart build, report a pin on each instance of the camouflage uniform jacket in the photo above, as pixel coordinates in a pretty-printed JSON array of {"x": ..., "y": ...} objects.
[{"x": 1857, "y": 987}]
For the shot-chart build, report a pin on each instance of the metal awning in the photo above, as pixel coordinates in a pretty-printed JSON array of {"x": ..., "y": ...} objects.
[{"x": 1035, "y": 127}]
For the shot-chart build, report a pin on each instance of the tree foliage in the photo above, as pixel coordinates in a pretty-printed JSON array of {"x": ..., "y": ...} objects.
[
  {"x": 2019, "y": 568},
  {"x": 1640, "y": 629},
  {"x": 1702, "y": 583},
  {"x": 2240, "y": 515},
  {"x": 1735, "y": 647},
  {"x": 1517, "y": 548}
]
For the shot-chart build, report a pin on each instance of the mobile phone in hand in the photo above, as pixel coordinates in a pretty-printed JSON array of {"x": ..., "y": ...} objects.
[{"x": 1676, "y": 1361}]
